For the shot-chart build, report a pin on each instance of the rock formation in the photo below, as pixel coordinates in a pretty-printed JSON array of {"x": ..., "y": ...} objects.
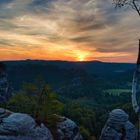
[
  {"x": 118, "y": 127},
  {"x": 19, "y": 126},
  {"x": 68, "y": 130},
  {"x": 5, "y": 89}
]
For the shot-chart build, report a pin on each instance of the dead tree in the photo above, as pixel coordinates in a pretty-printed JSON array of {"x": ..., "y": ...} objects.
[
  {"x": 135, "y": 105},
  {"x": 135, "y": 4}
]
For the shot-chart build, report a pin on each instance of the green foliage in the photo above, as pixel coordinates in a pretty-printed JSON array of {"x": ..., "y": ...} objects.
[
  {"x": 87, "y": 100},
  {"x": 85, "y": 133},
  {"x": 117, "y": 92},
  {"x": 82, "y": 116},
  {"x": 38, "y": 100},
  {"x": 20, "y": 102}
]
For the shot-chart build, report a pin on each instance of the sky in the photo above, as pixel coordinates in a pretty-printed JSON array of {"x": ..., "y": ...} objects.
[{"x": 72, "y": 30}]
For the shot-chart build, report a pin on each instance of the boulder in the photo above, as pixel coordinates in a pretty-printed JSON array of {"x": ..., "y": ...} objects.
[
  {"x": 19, "y": 126},
  {"x": 68, "y": 130},
  {"x": 119, "y": 127}
]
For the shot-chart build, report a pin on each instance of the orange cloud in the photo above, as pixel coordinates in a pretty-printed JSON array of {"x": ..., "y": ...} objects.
[{"x": 76, "y": 30}]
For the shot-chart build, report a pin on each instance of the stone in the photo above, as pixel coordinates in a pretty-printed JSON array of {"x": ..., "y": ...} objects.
[
  {"x": 19, "y": 126},
  {"x": 118, "y": 127},
  {"x": 68, "y": 130}
]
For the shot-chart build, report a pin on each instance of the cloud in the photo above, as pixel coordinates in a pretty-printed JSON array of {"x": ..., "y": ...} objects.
[
  {"x": 73, "y": 27},
  {"x": 2, "y": 2}
]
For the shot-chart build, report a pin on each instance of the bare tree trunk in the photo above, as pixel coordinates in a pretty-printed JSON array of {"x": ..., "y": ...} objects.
[
  {"x": 135, "y": 105},
  {"x": 136, "y": 7},
  {"x": 134, "y": 91}
]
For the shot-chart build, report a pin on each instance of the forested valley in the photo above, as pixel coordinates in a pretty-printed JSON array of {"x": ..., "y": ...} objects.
[{"x": 82, "y": 91}]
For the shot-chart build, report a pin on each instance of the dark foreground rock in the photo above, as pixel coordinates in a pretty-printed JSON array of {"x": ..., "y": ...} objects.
[
  {"x": 19, "y": 126},
  {"x": 118, "y": 127},
  {"x": 68, "y": 130}
]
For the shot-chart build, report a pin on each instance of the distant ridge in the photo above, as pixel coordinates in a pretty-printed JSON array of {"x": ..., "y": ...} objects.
[{"x": 63, "y": 61}]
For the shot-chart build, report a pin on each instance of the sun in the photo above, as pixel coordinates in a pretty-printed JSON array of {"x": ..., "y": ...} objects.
[{"x": 81, "y": 57}]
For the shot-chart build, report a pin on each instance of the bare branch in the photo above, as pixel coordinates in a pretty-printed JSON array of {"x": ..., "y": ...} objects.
[
  {"x": 136, "y": 7},
  {"x": 135, "y": 4}
]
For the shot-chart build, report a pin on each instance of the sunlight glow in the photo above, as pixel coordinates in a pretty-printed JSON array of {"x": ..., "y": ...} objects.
[{"x": 81, "y": 56}]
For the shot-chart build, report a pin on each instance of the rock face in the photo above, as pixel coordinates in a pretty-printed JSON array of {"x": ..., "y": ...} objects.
[
  {"x": 18, "y": 126},
  {"x": 118, "y": 127},
  {"x": 68, "y": 130},
  {"x": 5, "y": 89}
]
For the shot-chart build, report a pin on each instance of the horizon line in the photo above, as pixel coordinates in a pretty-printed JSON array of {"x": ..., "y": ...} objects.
[{"x": 65, "y": 61}]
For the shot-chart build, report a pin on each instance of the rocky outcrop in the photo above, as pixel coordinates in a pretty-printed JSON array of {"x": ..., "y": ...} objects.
[
  {"x": 118, "y": 127},
  {"x": 68, "y": 130},
  {"x": 5, "y": 88},
  {"x": 19, "y": 126}
]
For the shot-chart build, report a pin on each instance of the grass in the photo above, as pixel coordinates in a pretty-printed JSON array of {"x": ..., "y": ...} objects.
[{"x": 116, "y": 92}]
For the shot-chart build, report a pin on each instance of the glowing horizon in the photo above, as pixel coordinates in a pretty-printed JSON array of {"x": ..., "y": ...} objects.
[{"x": 72, "y": 30}]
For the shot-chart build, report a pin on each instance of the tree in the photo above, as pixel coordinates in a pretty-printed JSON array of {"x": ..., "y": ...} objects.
[
  {"x": 37, "y": 100},
  {"x": 135, "y": 4}
]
